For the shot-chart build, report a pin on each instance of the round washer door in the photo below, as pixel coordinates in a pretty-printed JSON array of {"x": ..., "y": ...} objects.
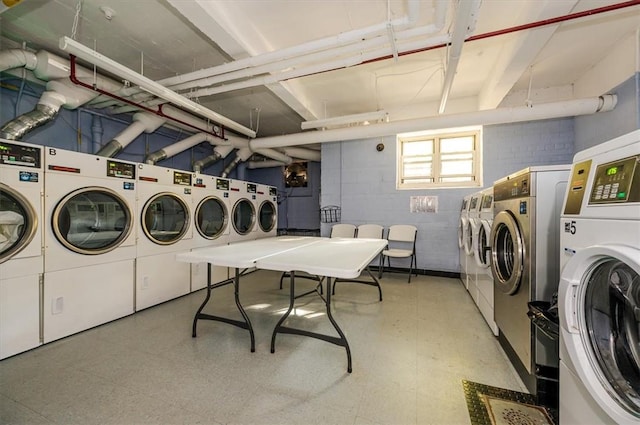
[
  {"x": 481, "y": 244},
  {"x": 211, "y": 217},
  {"x": 507, "y": 253},
  {"x": 165, "y": 218},
  {"x": 468, "y": 236},
  {"x": 600, "y": 293},
  {"x": 267, "y": 216},
  {"x": 92, "y": 220},
  {"x": 244, "y": 216},
  {"x": 462, "y": 225},
  {"x": 18, "y": 222}
]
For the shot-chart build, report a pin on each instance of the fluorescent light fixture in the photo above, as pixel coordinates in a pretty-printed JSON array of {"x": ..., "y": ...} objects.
[
  {"x": 346, "y": 119},
  {"x": 73, "y": 47}
]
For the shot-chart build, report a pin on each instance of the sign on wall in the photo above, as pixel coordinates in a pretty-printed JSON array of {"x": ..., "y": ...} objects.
[{"x": 423, "y": 204}]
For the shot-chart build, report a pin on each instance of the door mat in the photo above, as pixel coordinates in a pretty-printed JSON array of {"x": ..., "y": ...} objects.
[{"x": 489, "y": 405}]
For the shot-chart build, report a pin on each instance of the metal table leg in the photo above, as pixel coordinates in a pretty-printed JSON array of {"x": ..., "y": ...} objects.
[
  {"x": 244, "y": 324},
  {"x": 341, "y": 341}
]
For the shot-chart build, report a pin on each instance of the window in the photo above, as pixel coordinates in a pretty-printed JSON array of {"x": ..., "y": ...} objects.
[{"x": 448, "y": 158}]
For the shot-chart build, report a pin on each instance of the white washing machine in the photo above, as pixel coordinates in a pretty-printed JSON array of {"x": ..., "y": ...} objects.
[
  {"x": 243, "y": 211},
  {"x": 599, "y": 293},
  {"x": 462, "y": 226},
  {"x": 267, "y": 215},
  {"x": 211, "y": 224},
  {"x": 472, "y": 226},
  {"x": 21, "y": 245},
  {"x": 525, "y": 267},
  {"x": 164, "y": 210},
  {"x": 482, "y": 258},
  {"x": 90, "y": 241}
]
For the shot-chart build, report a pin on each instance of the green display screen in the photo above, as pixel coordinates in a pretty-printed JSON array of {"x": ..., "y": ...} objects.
[{"x": 612, "y": 170}]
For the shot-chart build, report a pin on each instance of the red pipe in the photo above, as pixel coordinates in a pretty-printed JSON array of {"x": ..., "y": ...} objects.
[{"x": 74, "y": 79}]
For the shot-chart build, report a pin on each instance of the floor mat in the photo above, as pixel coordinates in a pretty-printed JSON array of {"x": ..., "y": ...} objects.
[{"x": 489, "y": 405}]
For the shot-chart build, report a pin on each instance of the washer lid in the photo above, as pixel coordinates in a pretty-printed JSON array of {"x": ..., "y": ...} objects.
[{"x": 18, "y": 222}]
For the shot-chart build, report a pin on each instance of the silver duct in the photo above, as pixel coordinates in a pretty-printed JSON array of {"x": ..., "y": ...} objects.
[
  {"x": 15, "y": 129},
  {"x": 233, "y": 164},
  {"x": 203, "y": 163}
]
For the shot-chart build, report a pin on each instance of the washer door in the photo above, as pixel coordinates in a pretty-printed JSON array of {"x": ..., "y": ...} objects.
[
  {"x": 507, "y": 253},
  {"x": 462, "y": 225},
  {"x": 244, "y": 216},
  {"x": 267, "y": 216},
  {"x": 481, "y": 245},
  {"x": 468, "y": 236},
  {"x": 18, "y": 222},
  {"x": 211, "y": 217},
  {"x": 165, "y": 218},
  {"x": 92, "y": 220},
  {"x": 600, "y": 293}
]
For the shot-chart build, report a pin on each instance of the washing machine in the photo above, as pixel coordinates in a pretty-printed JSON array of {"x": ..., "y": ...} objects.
[
  {"x": 164, "y": 209},
  {"x": 462, "y": 225},
  {"x": 473, "y": 221},
  {"x": 89, "y": 241},
  {"x": 267, "y": 197},
  {"x": 243, "y": 210},
  {"x": 21, "y": 246},
  {"x": 599, "y": 293},
  {"x": 525, "y": 267},
  {"x": 482, "y": 258},
  {"x": 211, "y": 225}
]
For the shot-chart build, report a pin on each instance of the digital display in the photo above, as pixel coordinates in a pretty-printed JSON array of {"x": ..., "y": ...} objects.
[{"x": 612, "y": 171}]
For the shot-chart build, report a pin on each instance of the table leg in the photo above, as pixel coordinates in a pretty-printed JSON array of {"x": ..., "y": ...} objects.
[{"x": 244, "y": 324}]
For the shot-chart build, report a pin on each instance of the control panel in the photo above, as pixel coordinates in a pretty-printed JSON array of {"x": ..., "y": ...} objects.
[
  {"x": 182, "y": 178},
  {"x": 616, "y": 182},
  {"x": 515, "y": 187},
  {"x": 24, "y": 156},
  {"x": 121, "y": 170}
]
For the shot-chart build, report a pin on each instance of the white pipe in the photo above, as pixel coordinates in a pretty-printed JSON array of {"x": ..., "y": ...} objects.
[
  {"x": 17, "y": 58},
  {"x": 182, "y": 145},
  {"x": 302, "y": 153},
  {"x": 142, "y": 122},
  {"x": 264, "y": 164},
  {"x": 541, "y": 111},
  {"x": 73, "y": 47},
  {"x": 465, "y": 19},
  {"x": 274, "y": 154}
]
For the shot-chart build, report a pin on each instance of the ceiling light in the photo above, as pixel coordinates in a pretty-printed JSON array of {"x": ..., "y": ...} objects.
[
  {"x": 364, "y": 118},
  {"x": 73, "y": 47}
]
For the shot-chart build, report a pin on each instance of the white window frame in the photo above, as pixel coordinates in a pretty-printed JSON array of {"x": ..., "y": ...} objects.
[{"x": 436, "y": 136}]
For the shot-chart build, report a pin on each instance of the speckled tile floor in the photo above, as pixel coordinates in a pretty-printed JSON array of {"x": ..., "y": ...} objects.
[{"x": 410, "y": 355}]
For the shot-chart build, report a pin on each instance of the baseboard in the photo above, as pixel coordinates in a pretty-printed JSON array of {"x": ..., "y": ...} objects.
[{"x": 424, "y": 272}]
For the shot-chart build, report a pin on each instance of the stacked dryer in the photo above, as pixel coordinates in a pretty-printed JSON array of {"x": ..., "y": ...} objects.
[
  {"x": 90, "y": 241},
  {"x": 525, "y": 267},
  {"x": 267, "y": 197},
  {"x": 164, "y": 210},
  {"x": 462, "y": 228},
  {"x": 211, "y": 222},
  {"x": 599, "y": 293},
  {"x": 21, "y": 246},
  {"x": 472, "y": 226},
  {"x": 482, "y": 258}
]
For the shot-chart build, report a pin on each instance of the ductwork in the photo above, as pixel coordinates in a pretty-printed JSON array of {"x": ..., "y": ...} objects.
[
  {"x": 142, "y": 122},
  {"x": 219, "y": 152},
  {"x": 302, "y": 153},
  {"x": 241, "y": 156},
  {"x": 541, "y": 111},
  {"x": 171, "y": 150},
  {"x": 264, "y": 164}
]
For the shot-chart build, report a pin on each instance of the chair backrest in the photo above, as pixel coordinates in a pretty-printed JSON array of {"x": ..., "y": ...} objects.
[
  {"x": 343, "y": 230},
  {"x": 402, "y": 233},
  {"x": 371, "y": 231}
]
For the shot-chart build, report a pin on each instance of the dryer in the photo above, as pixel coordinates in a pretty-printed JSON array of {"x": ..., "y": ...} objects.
[
  {"x": 473, "y": 221},
  {"x": 599, "y": 293},
  {"x": 525, "y": 268},
  {"x": 89, "y": 241},
  {"x": 21, "y": 245},
  {"x": 164, "y": 210},
  {"x": 211, "y": 225},
  {"x": 482, "y": 258},
  {"x": 462, "y": 225},
  {"x": 243, "y": 211},
  {"x": 267, "y": 197}
]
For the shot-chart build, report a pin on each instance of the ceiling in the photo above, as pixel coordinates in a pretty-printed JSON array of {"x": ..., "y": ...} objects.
[{"x": 166, "y": 38}]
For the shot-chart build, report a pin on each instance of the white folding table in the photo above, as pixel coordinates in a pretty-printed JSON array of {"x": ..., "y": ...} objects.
[{"x": 330, "y": 257}]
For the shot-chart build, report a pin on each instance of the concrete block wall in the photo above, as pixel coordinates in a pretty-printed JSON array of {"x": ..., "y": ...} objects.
[{"x": 363, "y": 182}]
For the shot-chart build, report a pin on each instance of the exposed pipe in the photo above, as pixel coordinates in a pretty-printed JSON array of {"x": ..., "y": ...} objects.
[
  {"x": 302, "y": 153},
  {"x": 142, "y": 122},
  {"x": 174, "y": 149},
  {"x": 252, "y": 165},
  {"x": 541, "y": 111},
  {"x": 274, "y": 154},
  {"x": 219, "y": 152},
  {"x": 241, "y": 155},
  {"x": 96, "y": 132}
]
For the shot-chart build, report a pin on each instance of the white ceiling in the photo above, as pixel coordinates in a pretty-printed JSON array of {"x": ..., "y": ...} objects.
[{"x": 165, "y": 38}]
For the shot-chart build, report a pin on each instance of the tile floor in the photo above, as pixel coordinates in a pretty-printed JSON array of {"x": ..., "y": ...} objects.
[{"x": 410, "y": 355}]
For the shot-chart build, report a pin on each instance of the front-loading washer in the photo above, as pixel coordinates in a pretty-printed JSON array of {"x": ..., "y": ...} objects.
[
  {"x": 462, "y": 226},
  {"x": 166, "y": 228},
  {"x": 89, "y": 241},
  {"x": 599, "y": 292},
  {"x": 473, "y": 221},
  {"x": 525, "y": 268},
  {"x": 243, "y": 211},
  {"x": 21, "y": 245},
  {"x": 482, "y": 258},
  {"x": 211, "y": 224},
  {"x": 267, "y": 215}
]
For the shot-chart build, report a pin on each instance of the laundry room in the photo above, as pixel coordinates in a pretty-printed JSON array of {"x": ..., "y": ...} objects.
[{"x": 410, "y": 211}]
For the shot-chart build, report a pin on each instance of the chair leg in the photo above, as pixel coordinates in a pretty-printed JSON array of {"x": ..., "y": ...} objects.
[
  {"x": 284, "y": 274},
  {"x": 410, "y": 270},
  {"x": 381, "y": 266}
]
